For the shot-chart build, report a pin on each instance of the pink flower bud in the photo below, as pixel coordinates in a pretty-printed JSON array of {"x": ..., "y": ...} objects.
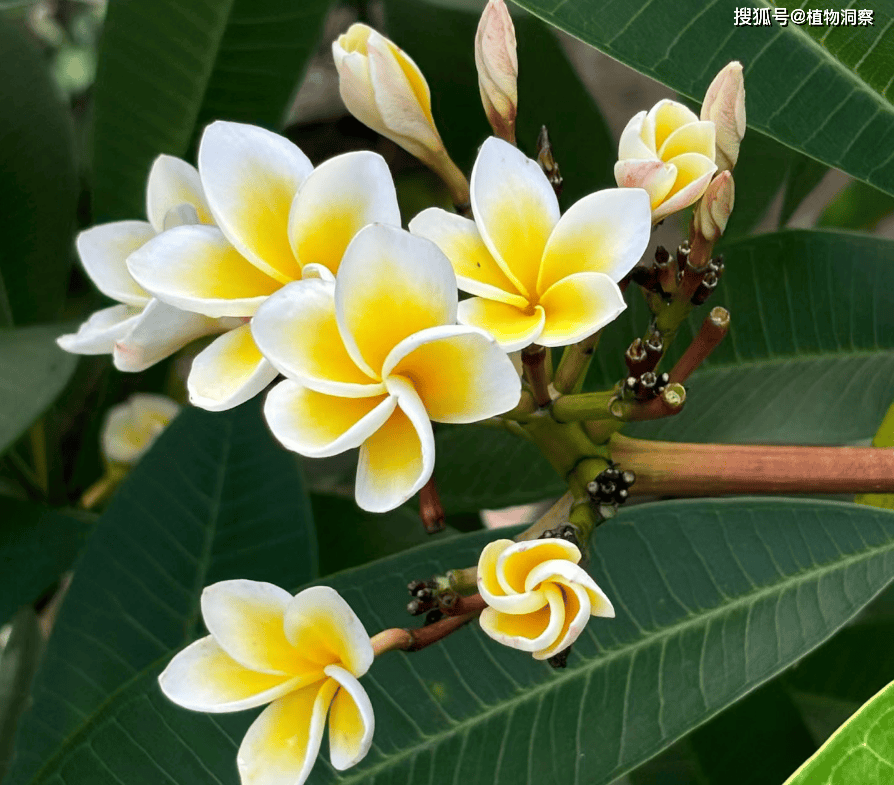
[
  {"x": 713, "y": 211},
  {"x": 497, "y": 63},
  {"x": 724, "y": 104}
]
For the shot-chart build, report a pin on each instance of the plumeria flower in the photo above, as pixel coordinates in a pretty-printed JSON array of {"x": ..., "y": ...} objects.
[
  {"x": 372, "y": 358},
  {"x": 537, "y": 277},
  {"x": 141, "y": 330},
  {"x": 539, "y": 599},
  {"x": 303, "y": 655},
  {"x": 669, "y": 152},
  {"x": 130, "y": 428},
  {"x": 277, "y": 220}
]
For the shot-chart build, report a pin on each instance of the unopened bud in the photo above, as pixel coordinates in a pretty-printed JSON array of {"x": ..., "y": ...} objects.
[
  {"x": 724, "y": 104},
  {"x": 497, "y": 63},
  {"x": 712, "y": 212}
]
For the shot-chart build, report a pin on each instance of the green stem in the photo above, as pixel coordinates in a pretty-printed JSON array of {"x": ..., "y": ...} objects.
[
  {"x": 585, "y": 406},
  {"x": 574, "y": 364}
]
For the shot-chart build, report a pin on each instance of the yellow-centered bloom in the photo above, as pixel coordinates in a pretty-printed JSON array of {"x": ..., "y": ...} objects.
[
  {"x": 302, "y": 655},
  {"x": 277, "y": 220},
  {"x": 372, "y": 358},
  {"x": 130, "y": 428},
  {"x": 141, "y": 330},
  {"x": 537, "y": 277},
  {"x": 539, "y": 599},
  {"x": 670, "y": 153}
]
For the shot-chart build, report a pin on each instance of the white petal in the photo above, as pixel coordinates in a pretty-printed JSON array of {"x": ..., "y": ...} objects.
[
  {"x": 160, "y": 331},
  {"x": 694, "y": 173},
  {"x": 527, "y": 631},
  {"x": 666, "y": 117},
  {"x": 196, "y": 269},
  {"x": 283, "y": 742},
  {"x": 130, "y": 428},
  {"x": 492, "y": 589},
  {"x": 314, "y": 271},
  {"x": 460, "y": 373},
  {"x": 515, "y": 564},
  {"x": 250, "y": 177},
  {"x": 632, "y": 144},
  {"x": 692, "y": 138},
  {"x": 512, "y": 327},
  {"x": 104, "y": 250},
  {"x": 319, "y": 425},
  {"x": 351, "y": 721},
  {"x": 228, "y": 372},
  {"x": 477, "y": 272},
  {"x": 337, "y": 200},
  {"x": 172, "y": 183},
  {"x": 246, "y": 618},
  {"x": 101, "y": 331},
  {"x": 578, "y": 306},
  {"x": 566, "y": 572},
  {"x": 606, "y": 232},
  {"x": 324, "y": 628},
  {"x": 655, "y": 176},
  {"x": 398, "y": 459},
  {"x": 515, "y": 209},
  {"x": 203, "y": 677},
  {"x": 296, "y": 330},
  {"x": 390, "y": 285}
]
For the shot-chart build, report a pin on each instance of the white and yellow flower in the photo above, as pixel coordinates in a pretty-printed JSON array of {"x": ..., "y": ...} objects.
[
  {"x": 303, "y": 655},
  {"x": 277, "y": 220},
  {"x": 130, "y": 428},
  {"x": 372, "y": 358},
  {"x": 141, "y": 330},
  {"x": 537, "y": 277},
  {"x": 539, "y": 598},
  {"x": 670, "y": 153}
]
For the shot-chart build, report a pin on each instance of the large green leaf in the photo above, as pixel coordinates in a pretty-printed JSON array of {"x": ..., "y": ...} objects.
[
  {"x": 858, "y": 206},
  {"x": 214, "y": 499},
  {"x": 549, "y": 92},
  {"x": 38, "y": 185},
  {"x": 822, "y": 91},
  {"x": 33, "y": 371},
  {"x": 712, "y": 599},
  {"x": 810, "y": 353},
  {"x": 37, "y": 545},
  {"x": 860, "y": 751},
  {"x": 167, "y": 68}
]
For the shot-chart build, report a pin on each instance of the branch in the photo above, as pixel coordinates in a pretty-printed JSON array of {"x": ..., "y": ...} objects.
[
  {"x": 414, "y": 640},
  {"x": 534, "y": 361}
]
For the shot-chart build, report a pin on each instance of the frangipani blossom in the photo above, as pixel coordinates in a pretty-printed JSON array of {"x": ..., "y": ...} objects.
[
  {"x": 669, "y": 152},
  {"x": 301, "y": 654},
  {"x": 538, "y": 277},
  {"x": 141, "y": 331},
  {"x": 277, "y": 220},
  {"x": 372, "y": 358},
  {"x": 539, "y": 599},
  {"x": 130, "y": 428}
]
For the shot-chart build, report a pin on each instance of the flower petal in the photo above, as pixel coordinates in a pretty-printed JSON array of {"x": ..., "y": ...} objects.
[
  {"x": 172, "y": 183},
  {"x": 694, "y": 173},
  {"x": 564, "y": 572},
  {"x": 104, "y": 250},
  {"x": 319, "y": 425},
  {"x": 667, "y": 116},
  {"x": 101, "y": 331},
  {"x": 160, "y": 330},
  {"x": 196, "y": 269},
  {"x": 339, "y": 198},
  {"x": 297, "y": 331},
  {"x": 511, "y": 327},
  {"x": 250, "y": 177},
  {"x": 691, "y": 138},
  {"x": 477, "y": 272},
  {"x": 515, "y": 209},
  {"x": 324, "y": 628},
  {"x": 527, "y": 631},
  {"x": 576, "y": 607},
  {"x": 390, "y": 285},
  {"x": 632, "y": 144},
  {"x": 578, "y": 306},
  {"x": 283, "y": 742},
  {"x": 203, "y": 677},
  {"x": 492, "y": 589},
  {"x": 516, "y": 563},
  {"x": 655, "y": 176},
  {"x": 605, "y": 232},
  {"x": 246, "y": 618},
  {"x": 228, "y": 372},
  {"x": 398, "y": 459},
  {"x": 351, "y": 720},
  {"x": 460, "y": 373}
]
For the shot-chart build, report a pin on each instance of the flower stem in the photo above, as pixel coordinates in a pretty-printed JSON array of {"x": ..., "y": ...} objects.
[
  {"x": 680, "y": 469},
  {"x": 534, "y": 362},
  {"x": 431, "y": 511},
  {"x": 403, "y": 639},
  {"x": 711, "y": 333},
  {"x": 574, "y": 364}
]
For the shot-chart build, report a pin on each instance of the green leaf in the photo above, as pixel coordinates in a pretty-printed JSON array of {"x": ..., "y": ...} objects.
[
  {"x": 167, "y": 68},
  {"x": 860, "y": 751},
  {"x": 713, "y": 597},
  {"x": 804, "y": 175},
  {"x": 549, "y": 92},
  {"x": 858, "y": 206},
  {"x": 480, "y": 467},
  {"x": 38, "y": 184},
  {"x": 810, "y": 354},
  {"x": 33, "y": 371},
  {"x": 819, "y": 90},
  {"x": 215, "y": 498},
  {"x": 37, "y": 545}
]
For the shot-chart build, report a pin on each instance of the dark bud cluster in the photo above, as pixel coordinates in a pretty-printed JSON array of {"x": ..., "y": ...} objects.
[
  {"x": 710, "y": 279},
  {"x": 564, "y": 532},
  {"x": 611, "y": 486},
  {"x": 646, "y": 386},
  {"x": 560, "y": 660}
]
